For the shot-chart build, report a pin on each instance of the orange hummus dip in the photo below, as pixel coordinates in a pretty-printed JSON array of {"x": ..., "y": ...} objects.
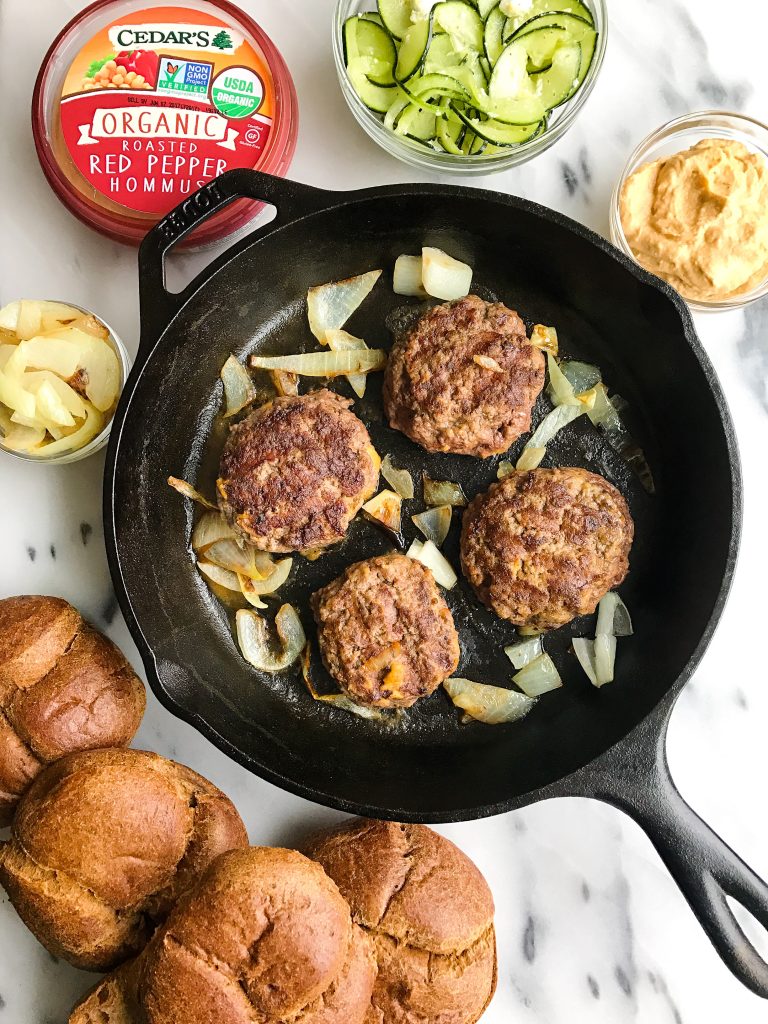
[{"x": 699, "y": 219}]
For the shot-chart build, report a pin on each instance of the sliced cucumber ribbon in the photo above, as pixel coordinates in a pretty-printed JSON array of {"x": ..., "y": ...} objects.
[{"x": 463, "y": 76}]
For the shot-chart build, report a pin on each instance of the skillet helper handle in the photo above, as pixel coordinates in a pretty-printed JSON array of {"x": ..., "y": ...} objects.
[
  {"x": 291, "y": 199},
  {"x": 635, "y": 777}
]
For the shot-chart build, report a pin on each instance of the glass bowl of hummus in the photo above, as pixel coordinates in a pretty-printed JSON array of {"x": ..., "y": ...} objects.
[{"x": 692, "y": 208}]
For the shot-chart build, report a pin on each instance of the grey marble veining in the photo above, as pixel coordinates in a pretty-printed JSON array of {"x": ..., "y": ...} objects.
[{"x": 591, "y": 927}]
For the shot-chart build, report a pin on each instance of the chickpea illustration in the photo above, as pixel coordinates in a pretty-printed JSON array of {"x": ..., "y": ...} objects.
[{"x": 112, "y": 75}]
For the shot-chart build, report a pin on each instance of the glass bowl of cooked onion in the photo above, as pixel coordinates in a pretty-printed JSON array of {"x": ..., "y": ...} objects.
[{"x": 62, "y": 370}]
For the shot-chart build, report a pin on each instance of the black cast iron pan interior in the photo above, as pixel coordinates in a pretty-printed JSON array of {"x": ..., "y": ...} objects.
[
  {"x": 608, "y": 744},
  {"x": 428, "y": 766}
]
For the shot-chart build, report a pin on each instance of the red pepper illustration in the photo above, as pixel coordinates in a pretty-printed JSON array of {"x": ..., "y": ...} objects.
[{"x": 143, "y": 62}]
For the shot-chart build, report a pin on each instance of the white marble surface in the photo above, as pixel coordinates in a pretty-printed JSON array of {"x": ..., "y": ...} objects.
[{"x": 591, "y": 928}]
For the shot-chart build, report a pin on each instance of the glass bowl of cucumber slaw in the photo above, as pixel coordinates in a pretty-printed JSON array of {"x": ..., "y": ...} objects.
[{"x": 386, "y": 96}]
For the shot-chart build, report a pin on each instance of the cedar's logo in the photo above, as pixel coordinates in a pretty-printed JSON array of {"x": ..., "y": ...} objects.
[{"x": 213, "y": 38}]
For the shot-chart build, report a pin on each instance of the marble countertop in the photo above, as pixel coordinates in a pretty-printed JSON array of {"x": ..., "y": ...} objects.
[{"x": 591, "y": 926}]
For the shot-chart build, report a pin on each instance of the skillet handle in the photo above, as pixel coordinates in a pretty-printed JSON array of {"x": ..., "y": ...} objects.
[
  {"x": 634, "y": 776},
  {"x": 159, "y": 306}
]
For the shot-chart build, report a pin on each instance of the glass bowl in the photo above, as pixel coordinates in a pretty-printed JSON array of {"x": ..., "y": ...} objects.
[
  {"x": 101, "y": 439},
  {"x": 423, "y": 156},
  {"x": 679, "y": 134}
]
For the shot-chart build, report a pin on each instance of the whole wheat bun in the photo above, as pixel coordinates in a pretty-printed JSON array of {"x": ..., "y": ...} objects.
[
  {"x": 264, "y": 936},
  {"x": 102, "y": 845},
  {"x": 63, "y": 687},
  {"x": 429, "y": 912}
]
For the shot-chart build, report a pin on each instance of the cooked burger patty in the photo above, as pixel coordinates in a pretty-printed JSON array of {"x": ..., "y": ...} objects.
[
  {"x": 386, "y": 634},
  {"x": 464, "y": 379},
  {"x": 542, "y": 547},
  {"x": 294, "y": 472}
]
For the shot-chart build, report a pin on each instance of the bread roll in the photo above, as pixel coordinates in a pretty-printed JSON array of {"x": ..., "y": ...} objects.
[
  {"x": 429, "y": 912},
  {"x": 102, "y": 845},
  {"x": 63, "y": 687},
  {"x": 264, "y": 935}
]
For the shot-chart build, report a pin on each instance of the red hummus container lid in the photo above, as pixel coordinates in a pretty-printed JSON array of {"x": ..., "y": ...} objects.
[{"x": 137, "y": 105}]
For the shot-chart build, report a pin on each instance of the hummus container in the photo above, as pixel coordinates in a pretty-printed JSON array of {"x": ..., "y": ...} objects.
[
  {"x": 674, "y": 137},
  {"x": 137, "y": 106},
  {"x": 62, "y": 453}
]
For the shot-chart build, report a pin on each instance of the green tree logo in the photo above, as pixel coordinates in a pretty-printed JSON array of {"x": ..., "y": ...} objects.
[{"x": 222, "y": 41}]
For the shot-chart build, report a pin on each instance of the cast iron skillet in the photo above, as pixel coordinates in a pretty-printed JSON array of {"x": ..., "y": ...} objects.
[{"x": 578, "y": 741}]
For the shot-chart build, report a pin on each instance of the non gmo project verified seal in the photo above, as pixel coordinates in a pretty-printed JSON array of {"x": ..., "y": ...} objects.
[{"x": 184, "y": 77}]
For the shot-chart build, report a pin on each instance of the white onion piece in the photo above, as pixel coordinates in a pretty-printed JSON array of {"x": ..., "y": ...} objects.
[
  {"x": 544, "y": 338},
  {"x": 246, "y": 589},
  {"x": 430, "y": 555},
  {"x": 613, "y": 616},
  {"x": 505, "y": 468},
  {"x": 100, "y": 365},
  {"x": 329, "y": 306},
  {"x": 30, "y": 321},
  {"x": 238, "y": 386},
  {"x": 399, "y": 479},
  {"x": 9, "y": 316},
  {"x": 622, "y": 620},
  {"x": 188, "y": 491},
  {"x": 50, "y": 407},
  {"x": 415, "y": 549},
  {"x": 443, "y": 492},
  {"x": 285, "y": 383},
  {"x": 605, "y": 640},
  {"x": 341, "y": 341},
  {"x": 93, "y": 425},
  {"x": 584, "y": 650},
  {"x": 271, "y": 583},
  {"x": 538, "y": 676},
  {"x": 6, "y": 351},
  {"x": 605, "y": 658},
  {"x": 553, "y": 422},
  {"x": 581, "y": 376},
  {"x": 603, "y": 413},
  {"x": 34, "y": 379},
  {"x": 530, "y": 458},
  {"x": 224, "y": 577},
  {"x": 523, "y": 653},
  {"x": 434, "y": 523},
  {"x": 385, "y": 508},
  {"x": 324, "y": 364},
  {"x": 253, "y": 637},
  {"x": 407, "y": 276},
  {"x": 240, "y": 558},
  {"x": 51, "y": 353},
  {"x": 341, "y": 702},
  {"x": 24, "y": 438},
  {"x": 559, "y": 390},
  {"x": 492, "y": 705},
  {"x": 15, "y": 396},
  {"x": 444, "y": 277},
  {"x": 211, "y": 527}
]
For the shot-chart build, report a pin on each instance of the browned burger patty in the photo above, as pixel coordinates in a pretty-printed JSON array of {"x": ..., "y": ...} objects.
[
  {"x": 386, "y": 634},
  {"x": 295, "y": 472},
  {"x": 437, "y": 393},
  {"x": 542, "y": 547}
]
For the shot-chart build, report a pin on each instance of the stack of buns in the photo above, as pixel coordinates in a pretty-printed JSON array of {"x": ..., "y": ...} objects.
[
  {"x": 264, "y": 935},
  {"x": 429, "y": 912},
  {"x": 102, "y": 845},
  {"x": 63, "y": 687},
  {"x": 123, "y": 860}
]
